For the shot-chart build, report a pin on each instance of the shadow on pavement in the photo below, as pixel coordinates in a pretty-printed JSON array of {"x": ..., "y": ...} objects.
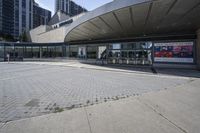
[
  {"x": 149, "y": 69},
  {"x": 179, "y": 72}
]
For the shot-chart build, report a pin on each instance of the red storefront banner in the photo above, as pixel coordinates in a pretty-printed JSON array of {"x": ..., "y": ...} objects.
[{"x": 176, "y": 52}]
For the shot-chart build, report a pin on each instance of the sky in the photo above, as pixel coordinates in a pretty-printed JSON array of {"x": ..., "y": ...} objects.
[{"x": 88, "y": 4}]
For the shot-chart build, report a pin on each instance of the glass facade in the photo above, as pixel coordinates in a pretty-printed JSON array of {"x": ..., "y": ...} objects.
[
  {"x": 92, "y": 52},
  {"x": 40, "y": 16},
  {"x": 69, "y": 7},
  {"x": 19, "y": 51},
  {"x": 131, "y": 53},
  {"x": 19, "y": 16},
  {"x": 7, "y": 17},
  {"x": 73, "y": 51},
  {"x": 137, "y": 53},
  {"x": 36, "y": 52},
  {"x": 1, "y": 53}
]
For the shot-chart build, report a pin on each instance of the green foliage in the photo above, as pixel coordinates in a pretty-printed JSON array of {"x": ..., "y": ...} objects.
[
  {"x": 58, "y": 110},
  {"x": 23, "y": 37},
  {"x": 7, "y": 37}
]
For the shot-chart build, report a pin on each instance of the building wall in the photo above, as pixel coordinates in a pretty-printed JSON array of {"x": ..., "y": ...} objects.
[
  {"x": 62, "y": 5},
  {"x": 127, "y": 53},
  {"x": 69, "y": 7},
  {"x": 58, "y": 17},
  {"x": 7, "y": 15},
  {"x": 16, "y": 16},
  {"x": 41, "y": 16},
  {"x": 24, "y": 19},
  {"x": 44, "y": 34}
]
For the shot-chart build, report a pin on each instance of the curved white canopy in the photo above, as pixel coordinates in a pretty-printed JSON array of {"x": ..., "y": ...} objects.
[{"x": 135, "y": 18}]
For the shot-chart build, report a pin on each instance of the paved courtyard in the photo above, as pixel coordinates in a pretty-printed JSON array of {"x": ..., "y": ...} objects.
[{"x": 28, "y": 90}]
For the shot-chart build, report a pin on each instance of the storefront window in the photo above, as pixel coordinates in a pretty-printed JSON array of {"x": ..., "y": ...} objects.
[
  {"x": 73, "y": 51},
  {"x": 175, "y": 52},
  {"x": 67, "y": 51},
  {"x": 52, "y": 51},
  {"x": 92, "y": 52},
  {"x": 124, "y": 54},
  {"x": 19, "y": 51},
  {"x": 36, "y": 52},
  {"x": 1, "y": 53},
  {"x": 127, "y": 46},
  {"x": 102, "y": 52},
  {"x": 11, "y": 51},
  {"x": 142, "y": 45},
  {"x": 146, "y": 45},
  {"x": 28, "y": 52},
  {"x": 130, "y": 53},
  {"x": 44, "y": 52},
  {"x": 58, "y": 51}
]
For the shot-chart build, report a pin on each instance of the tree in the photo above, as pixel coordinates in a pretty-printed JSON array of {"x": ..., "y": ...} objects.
[{"x": 8, "y": 37}]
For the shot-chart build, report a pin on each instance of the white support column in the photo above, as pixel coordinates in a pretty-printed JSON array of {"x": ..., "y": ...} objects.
[{"x": 198, "y": 49}]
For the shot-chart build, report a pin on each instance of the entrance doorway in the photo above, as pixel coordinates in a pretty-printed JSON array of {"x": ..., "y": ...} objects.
[{"x": 138, "y": 53}]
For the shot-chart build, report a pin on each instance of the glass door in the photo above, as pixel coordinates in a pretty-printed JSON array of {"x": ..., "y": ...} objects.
[
  {"x": 143, "y": 53},
  {"x": 2, "y": 53},
  {"x": 137, "y": 53},
  {"x": 11, "y": 51}
]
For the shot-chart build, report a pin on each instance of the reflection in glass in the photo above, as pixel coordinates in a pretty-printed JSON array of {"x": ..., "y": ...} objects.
[
  {"x": 58, "y": 51},
  {"x": 28, "y": 52},
  {"x": 52, "y": 51},
  {"x": 11, "y": 51},
  {"x": 131, "y": 53},
  {"x": 92, "y": 52},
  {"x": 1, "y": 52},
  {"x": 36, "y": 52},
  {"x": 44, "y": 52},
  {"x": 127, "y": 46},
  {"x": 19, "y": 51},
  {"x": 73, "y": 51}
]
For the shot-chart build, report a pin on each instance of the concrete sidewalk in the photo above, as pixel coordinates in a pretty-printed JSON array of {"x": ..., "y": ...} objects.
[
  {"x": 175, "y": 110},
  {"x": 146, "y": 70},
  {"x": 77, "y": 64}
]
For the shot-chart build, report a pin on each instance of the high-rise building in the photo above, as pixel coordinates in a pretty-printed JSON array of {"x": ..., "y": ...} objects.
[
  {"x": 7, "y": 17},
  {"x": 41, "y": 16},
  {"x": 69, "y": 7},
  {"x": 19, "y": 16},
  {"x": 23, "y": 14}
]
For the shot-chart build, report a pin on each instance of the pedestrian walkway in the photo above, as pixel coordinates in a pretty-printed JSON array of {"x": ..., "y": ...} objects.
[
  {"x": 124, "y": 69},
  {"x": 174, "y": 110}
]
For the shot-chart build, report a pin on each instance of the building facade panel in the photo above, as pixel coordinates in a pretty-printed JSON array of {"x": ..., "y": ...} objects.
[
  {"x": 16, "y": 17},
  {"x": 7, "y": 17},
  {"x": 69, "y": 7},
  {"x": 41, "y": 16},
  {"x": 140, "y": 53}
]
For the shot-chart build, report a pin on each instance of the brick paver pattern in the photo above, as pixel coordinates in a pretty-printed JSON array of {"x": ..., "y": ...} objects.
[{"x": 28, "y": 90}]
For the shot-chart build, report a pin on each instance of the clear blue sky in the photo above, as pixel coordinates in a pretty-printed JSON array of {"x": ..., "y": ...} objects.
[{"x": 88, "y": 4}]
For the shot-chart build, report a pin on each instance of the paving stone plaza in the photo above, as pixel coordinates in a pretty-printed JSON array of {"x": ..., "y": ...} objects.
[{"x": 28, "y": 90}]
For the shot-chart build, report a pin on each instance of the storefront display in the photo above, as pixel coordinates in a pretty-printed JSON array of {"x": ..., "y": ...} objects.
[
  {"x": 176, "y": 52},
  {"x": 82, "y": 52}
]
